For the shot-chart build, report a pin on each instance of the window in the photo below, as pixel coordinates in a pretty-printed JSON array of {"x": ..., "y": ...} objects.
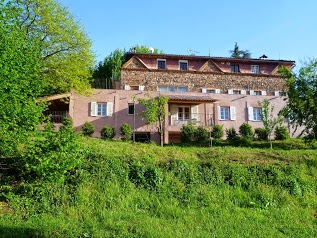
[
  {"x": 255, "y": 69},
  {"x": 172, "y": 89},
  {"x": 161, "y": 63},
  {"x": 183, "y": 113},
  {"x": 101, "y": 109},
  {"x": 207, "y": 90},
  {"x": 224, "y": 113},
  {"x": 131, "y": 109},
  {"x": 279, "y": 94},
  {"x": 183, "y": 65},
  {"x": 257, "y": 114},
  {"x": 134, "y": 87},
  {"x": 235, "y": 68}
]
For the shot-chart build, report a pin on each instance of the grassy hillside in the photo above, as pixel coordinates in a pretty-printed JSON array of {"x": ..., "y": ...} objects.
[{"x": 142, "y": 190}]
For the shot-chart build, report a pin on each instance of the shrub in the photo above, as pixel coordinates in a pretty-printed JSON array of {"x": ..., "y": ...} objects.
[
  {"x": 246, "y": 131},
  {"x": 261, "y": 133},
  {"x": 107, "y": 132},
  {"x": 231, "y": 133},
  {"x": 188, "y": 133},
  {"x": 126, "y": 132},
  {"x": 217, "y": 131},
  {"x": 281, "y": 133},
  {"x": 202, "y": 134},
  {"x": 88, "y": 129}
]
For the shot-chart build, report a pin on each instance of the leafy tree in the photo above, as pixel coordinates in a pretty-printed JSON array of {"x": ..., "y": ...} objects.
[
  {"x": 126, "y": 132},
  {"x": 301, "y": 108},
  {"x": 155, "y": 112},
  {"x": 268, "y": 119},
  {"x": 237, "y": 53},
  {"x": 66, "y": 51},
  {"x": 109, "y": 69},
  {"x": 145, "y": 49},
  {"x": 20, "y": 82}
]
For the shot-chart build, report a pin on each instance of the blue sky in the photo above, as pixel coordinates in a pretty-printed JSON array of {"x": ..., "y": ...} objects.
[{"x": 280, "y": 29}]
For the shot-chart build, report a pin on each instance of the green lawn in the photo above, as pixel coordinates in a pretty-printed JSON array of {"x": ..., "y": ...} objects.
[{"x": 143, "y": 190}]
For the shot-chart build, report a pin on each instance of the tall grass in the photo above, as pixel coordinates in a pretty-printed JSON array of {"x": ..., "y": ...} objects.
[{"x": 142, "y": 190}]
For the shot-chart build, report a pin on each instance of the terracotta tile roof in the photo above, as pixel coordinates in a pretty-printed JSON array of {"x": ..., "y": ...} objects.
[{"x": 202, "y": 98}]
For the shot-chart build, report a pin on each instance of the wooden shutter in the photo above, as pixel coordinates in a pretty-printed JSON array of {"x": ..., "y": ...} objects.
[
  {"x": 263, "y": 93},
  {"x": 204, "y": 90},
  {"x": 109, "y": 109},
  {"x": 141, "y": 88},
  {"x": 126, "y": 87},
  {"x": 230, "y": 91},
  {"x": 93, "y": 109},
  {"x": 174, "y": 112},
  {"x": 194, "y": 112},
  {"x": 217, "y": 90},
  {"x": 250, "y": 113},
  {"x": 243, "y": 92},
  {"x": 251, "y": 92},
  {"x": 232, "y": 113},
  {"x": 277, "y": 93},
  {"x": 219, "y": 113}
]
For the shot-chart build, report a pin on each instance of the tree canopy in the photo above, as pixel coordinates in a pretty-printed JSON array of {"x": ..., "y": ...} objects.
[
  {"x": 20, "y": 81},
  {"x": 66, "y": 50},
  {"x": 237, "y": 53},
  {"x": 301, "y": 106}
]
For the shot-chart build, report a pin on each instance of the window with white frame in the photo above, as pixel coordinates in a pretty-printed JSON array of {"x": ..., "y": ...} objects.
[
  {"x": 101, "y": 109},
  {"x": 257, "y": 114},
  {"x": 183, "y": 64},
  {"x": 226, "y": 113},
  {"x": 161, "y": 63},
  {"x": 255, "y": 69},
  {"x": 172, "y": 88},
  {"x": 183, "y": 113}
]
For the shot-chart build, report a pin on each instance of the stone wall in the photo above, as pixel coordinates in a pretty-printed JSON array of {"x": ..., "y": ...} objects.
[{"x": 198, "y": 80}]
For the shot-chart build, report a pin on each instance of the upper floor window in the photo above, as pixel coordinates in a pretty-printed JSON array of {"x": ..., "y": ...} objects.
[
  {"x": 224, "y": 113},
  {"x": 172, "y": 88},
  {"x": 255, "y": 69},
  {"x": 161, "y": 63},
  {"x": 183, "y": 65},
  {"x": 235, "y": 68},
  {"x": 101, "y": 109}
]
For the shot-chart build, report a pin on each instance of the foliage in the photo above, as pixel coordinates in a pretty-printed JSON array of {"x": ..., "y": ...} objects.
[
  {"x": 273, "y": 191},
  {"x": 20, "y": 83},
  {"x": 261, "y": 133},
  {"x": 268, "y": 119},
  {"x": 246, "y": 131},
  {"x": 281, "y": 133},
  {"x": 217, "y": 132},
  {"x": 53, "y": 156},
  {"x": 188, "y": 133},
  {"x": 231, "y": 133},
  {"x": 88, "y": 129},
  {"x": 237, "y": 53},
  {"x": 109, "y": 69},
  {"x": 144, "y": 49},
  {"x": 202, "y": 134},
  {"x": 155, "y": 112},
  {"x": 108, "y": 132},
  {"x": 126, "y": 132},
  {"x": 66, "y": 51},
  {"x": 301, "y": 108}
]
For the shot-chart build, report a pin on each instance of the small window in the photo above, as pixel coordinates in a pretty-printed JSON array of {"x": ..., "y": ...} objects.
[
  {"x": 131, "y": 108},
  {"x": 134, "y": 87},
  {"x": 235, "y": 68},
  {"x": 211, "y": 91},
  {"x": 183, "y": 65},
  {"x": 255, "y": 69},
  {"x": 161, "y": 63},
  {"x": 101, "y": 109},
  {"x": 172, "y": 89},
  {"x": 236, "y": 91},
  {"x": 257, "y": 114},
  {"x": 224, "y": 113}
]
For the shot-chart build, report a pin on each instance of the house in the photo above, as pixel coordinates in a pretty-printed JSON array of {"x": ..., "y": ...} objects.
[{"x": 202, "y": 91}]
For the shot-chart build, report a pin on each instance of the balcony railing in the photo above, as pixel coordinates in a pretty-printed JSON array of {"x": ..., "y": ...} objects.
[
  {"x": 199, "y": 119},
  {"x": 56, "y": 116}
]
